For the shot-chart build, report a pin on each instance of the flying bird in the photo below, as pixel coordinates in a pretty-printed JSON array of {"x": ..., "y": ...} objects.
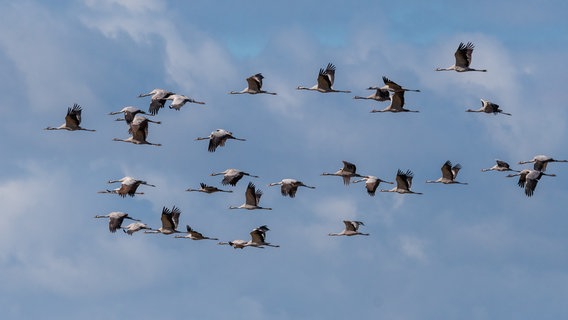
[
  {"x": 128, "y": 186},
  {"x": 289, "y": 187},
  {"x": 159, "y": 98},
  {"x": 500, "y": 166},
  {"x": 403, "y": 183},
  {"x": 325, "y": 81},
  {"x": 179, "y": 100},
  {"x": 463, "y": 59},
  {"x": 218, "y": 138},
  {"x": 115, "y": 220},
  {"x": 396, "y": 105},
  {"x": 138, "y": 131},
  {"x": 528, "y": 179},
  {"x": 351, "y": 229},
  {"x": 232, "y": 176},
  {"x": 371, "y": 183},
  {"x": 489, "y": 107},
  {"x": 72, "y": 120},
  {"x": 257, "y": 240},
  {"x": 449, "y": 174},
  {"x": 170, "y": 221},
  {"x": 541, "y": 162},
  {"x": 129, "y": 113},
  {"x": 208, "y": 189},
  {"x": 135, "y": 227},
  {"x": 379, "y": 95},
  {"x": 347, "y": 172},
  {"x": 254, "y": 86},
  {"x": 252, "y": 199},
  {"x": 194, "y": 235}
]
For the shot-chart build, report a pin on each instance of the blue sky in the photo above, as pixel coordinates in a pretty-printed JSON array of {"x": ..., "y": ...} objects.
[{"x": 477, "y": 251}]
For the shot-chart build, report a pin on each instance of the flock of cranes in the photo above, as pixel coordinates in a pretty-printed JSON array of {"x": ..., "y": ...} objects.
[{"x": 138, "y": 128}]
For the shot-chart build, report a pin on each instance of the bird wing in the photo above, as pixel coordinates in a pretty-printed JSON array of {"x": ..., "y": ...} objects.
[
  {"x": 372, "y": 185},
  {"x": 350, "y": 225},
  {"x": 397, "y": 100},
  {"x": 531, "y": 182},
  {"x": 257, "y": 236},
  {"x": 382, "y": 94},
  {"x": 255, "y": 82},
  {"x": 502, "y": 164},
  {"x": 115, "y": 222},
  {"x": 391, "y": 84},
  {"x": 463, "y": 54},
  {"x": 73, "y": 117},
  {"x": 447, "y": 171},
  {"x": 349, "y": 167},
  {"x": 287, "y": 189},
  {"x": 251, "y": 197},
  {"x": 176, "y": 212}
]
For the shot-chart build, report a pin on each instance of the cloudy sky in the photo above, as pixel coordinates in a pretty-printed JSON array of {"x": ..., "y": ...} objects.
[{"x": 477, "y": 251}]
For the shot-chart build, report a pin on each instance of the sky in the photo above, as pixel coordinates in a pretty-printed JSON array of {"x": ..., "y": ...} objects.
[{"x": 478, "y": 251}]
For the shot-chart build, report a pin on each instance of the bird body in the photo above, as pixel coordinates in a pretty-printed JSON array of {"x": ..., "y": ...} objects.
[
  {"x": 463, "y": 59},
  {"x": 489, "y": 107},
  {"x": 128, "y": 186},
  {"x": 252, "y": 199},
  {"x": 72, "y": 120},
  {"x": 129, "y": 113},
  {"x": 403, "y": 183},
  {"x": 371, "y": 183},
  {"x": 541, "y": 162},
  {"x": 346, "y": 172},
  {"x": 208, "y": 189},
  {"x": 449, "y": 174},
  {"x": 325, "y": 81},
  {"x": 158, "y": 99},
  {"x": 138, "y": 131},
  {"x": 232, "y": 176},
  {"x": 351, "y": 229},
  {"x": 528, "y": 179},
  {"x": 179, "y": 100},
  {"x": 115, "y": 219},
  {"x": 289, "y": 187},
  {"x": 379, "y": 95},
  {"x": 218, "y": 138},
  {"x": 393, "y": 86},
  {"x": 254, "y": 86}
]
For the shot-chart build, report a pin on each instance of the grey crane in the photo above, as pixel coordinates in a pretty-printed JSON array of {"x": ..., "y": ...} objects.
[
  {"x": 194, "y": 235},
  {"x": 396, "y": 105},
  {"x": 489, "y": 107},
  {"x": 325, "y": 81},
  {"x": 351, "y": 229},
  {"x": 499, "y": 166},
  {"x": 348, "y": 171},
  {"x": 289, "y": 187},
  {"x": 528, "y": 179},
  {"x": 541, "y": 162},
  {"x": 138, "y": 131},
  {"x": 179, "y": 100},
  {"x": 135, "y": 227},
  {"x": 379, "y": 95},
  {"x": 252, "y": 199},
  {"x": 128, "y": 186},
  {"x": 115, "y": 219},
  {"x": 158, "y": 99},
  {"x": 170, "y": 221},
  {"x": 449, "y": 174},
  {"x": 371, "y": 183},
  {"x": 403, "y": 183},
  {"x": 257, "y": 240},
  {"x": 218, "y": 138},
  {"x": 232, "y": 176},
  {"x": 463, "y": 59},
  {"x": 72, "y": 120},
  {"x": 207, "y": 189},
  {"x": 129, "y": 113},
  {"x": 254, "y": 86}
]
